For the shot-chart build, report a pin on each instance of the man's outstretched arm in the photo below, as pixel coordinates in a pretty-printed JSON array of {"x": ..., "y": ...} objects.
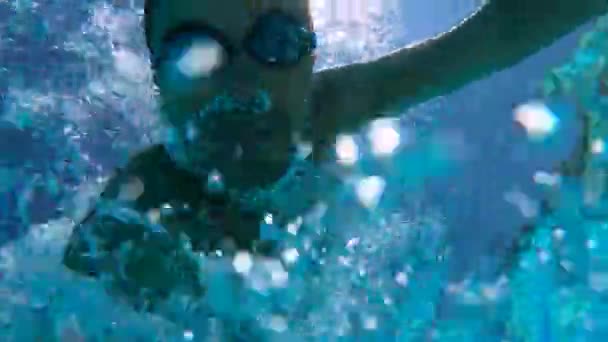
[{"x": 498, "y": 35}]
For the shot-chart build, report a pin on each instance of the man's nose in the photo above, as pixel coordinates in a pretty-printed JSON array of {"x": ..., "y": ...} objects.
[
  {"x": 242, "y": 78},
  {"x": 244, "y": 93}
]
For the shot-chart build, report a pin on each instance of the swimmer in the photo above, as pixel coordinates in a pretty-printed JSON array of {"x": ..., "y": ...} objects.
[{"x": 237, "y": 88}]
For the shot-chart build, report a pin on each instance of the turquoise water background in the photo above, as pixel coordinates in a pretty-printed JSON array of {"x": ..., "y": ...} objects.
[{"x": 414, "y": 269}]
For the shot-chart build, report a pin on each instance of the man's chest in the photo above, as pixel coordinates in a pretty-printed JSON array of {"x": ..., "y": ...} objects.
[
  {"x": 211, "y": 224},
  {"x": 182, "y": 203}
]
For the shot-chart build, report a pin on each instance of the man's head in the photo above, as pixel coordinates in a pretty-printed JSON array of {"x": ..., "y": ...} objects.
[{"x": 202, "y": 49}]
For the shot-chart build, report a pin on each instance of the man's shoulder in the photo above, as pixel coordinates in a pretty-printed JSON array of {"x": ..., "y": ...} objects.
[
  {"x": 153, "y": 173},
  {"x": 151, "y": 158}
]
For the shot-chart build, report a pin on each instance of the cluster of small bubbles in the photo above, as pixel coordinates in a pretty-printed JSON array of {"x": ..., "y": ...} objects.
[
  {"x": 346, "y": 33},
  {"x": 190, "y": 142},
  {"x": 78, "y": 109}
]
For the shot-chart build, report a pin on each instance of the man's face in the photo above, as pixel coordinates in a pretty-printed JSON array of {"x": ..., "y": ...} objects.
[{"x": 210, "y": 49}]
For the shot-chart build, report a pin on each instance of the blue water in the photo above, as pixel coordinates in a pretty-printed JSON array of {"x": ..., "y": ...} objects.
[{"x": 429, "y": 273}]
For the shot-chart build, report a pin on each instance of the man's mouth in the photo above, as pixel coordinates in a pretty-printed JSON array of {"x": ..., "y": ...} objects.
[
  {"x": 220, "y": 131},
  {"x": 259, "y": 103}
]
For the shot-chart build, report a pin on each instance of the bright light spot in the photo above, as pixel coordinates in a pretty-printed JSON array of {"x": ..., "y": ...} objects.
[
  {"x": 290, "y": 255},
  {"x": 352, "y": 243},
  {"x": 242, "y": 262},
  {"x": 293, "y": 227},
  {"x": 598, "y": 146},
  {"x": 188, "y": 335},
  {"x": 544, "y": 178},
  {"x": 384, "y": 137},
  {"x": 215, "y": 181},
  {"x": 201, "y": 59},
  {"x": 402, "y": 279},
  {"x": 544, "y": 256},
  {"x": 369, "y": 190},
  {"x": 370, "y": 323},
  {"x": 592, "y": 244},
  {"x": 559, "y": 234},
  {"x": 278, "y": 323},
  {"x": 268, "y": 219},
  {"x": 537, "y": 119},
  {"x": 347, "y": 150}
]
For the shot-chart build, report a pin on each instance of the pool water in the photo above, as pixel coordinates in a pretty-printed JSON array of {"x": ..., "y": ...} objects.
[{"x": 372, "y": 263}]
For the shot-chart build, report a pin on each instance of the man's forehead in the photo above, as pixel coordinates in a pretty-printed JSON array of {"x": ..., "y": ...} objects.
[
  {"x": 296, "y": 6},
  {"x": 256, "y": 5},
  {"x": 224, "y": 14}
]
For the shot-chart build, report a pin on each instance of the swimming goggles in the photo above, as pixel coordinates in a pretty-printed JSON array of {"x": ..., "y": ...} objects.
[{"x": 276, "y": 39}]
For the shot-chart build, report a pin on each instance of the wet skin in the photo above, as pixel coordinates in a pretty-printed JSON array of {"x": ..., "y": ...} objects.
[{"x": 314, "y": 107}]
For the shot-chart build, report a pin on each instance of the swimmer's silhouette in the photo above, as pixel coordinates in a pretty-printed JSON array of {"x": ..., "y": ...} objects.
[{"x": 237, "y": 87}]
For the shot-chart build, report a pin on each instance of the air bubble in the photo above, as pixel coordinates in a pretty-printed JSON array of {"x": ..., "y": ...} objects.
[
  {"x": 402, "y": 279},
  {"x": 537, "y": 119},
  {"x": 215, "y": 182},
  {"x": 384, "y": 137},
  {"x": 242, "y": 263},
  {"x": 347, "y": 150},
  {"x": 278, "y": 323},
  {"x": 369, "y": 190},
  {"x": 188, "y": 335},
  {"x": 290, "y": 255}
]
